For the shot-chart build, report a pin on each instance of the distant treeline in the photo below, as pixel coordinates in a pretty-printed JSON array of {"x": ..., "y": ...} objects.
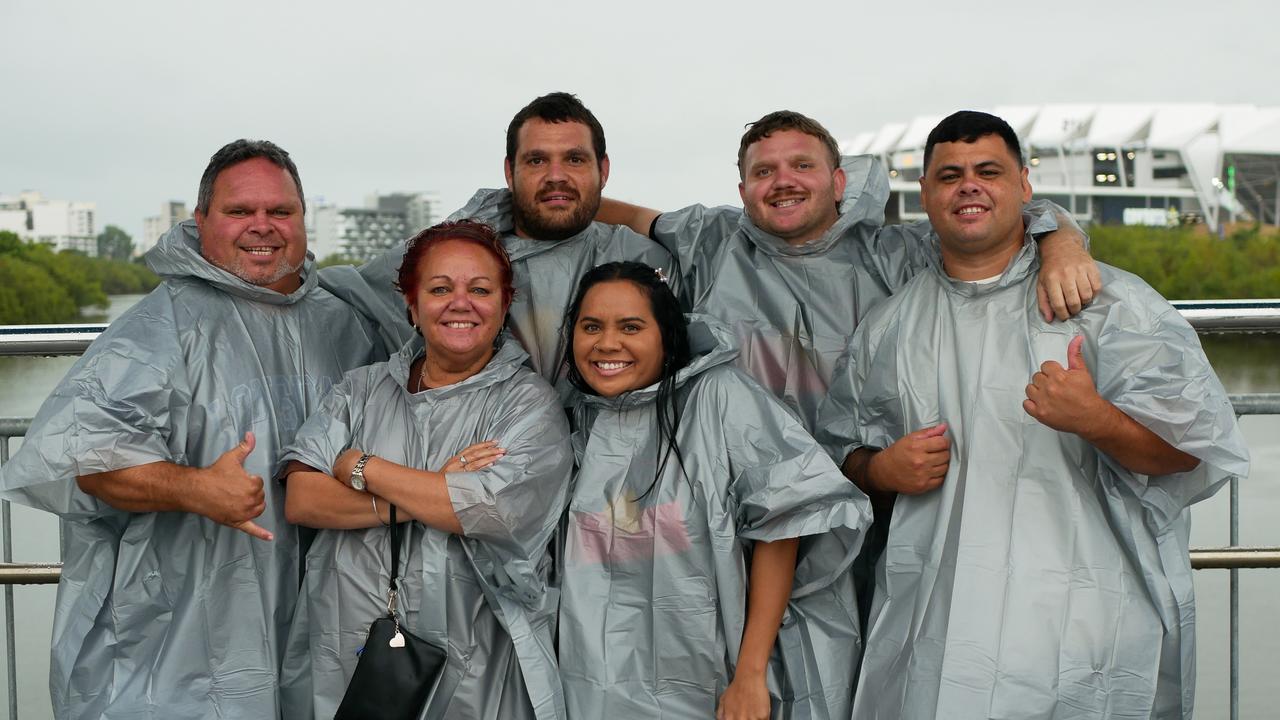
[
  {"x": 1189, "y": 264},
  {"x": 38, "y": 285}
]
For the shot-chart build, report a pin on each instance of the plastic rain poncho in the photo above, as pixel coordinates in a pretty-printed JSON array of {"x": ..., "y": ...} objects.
[
  {"x": 483, "y": 595},
  {"x": 546, "y": 276},
  {"x": 792, "y": 308},
  {"x": 654, "y": 589},
  {"x": 168, "y": 614},
  {"x": 1042, "y": 579}
]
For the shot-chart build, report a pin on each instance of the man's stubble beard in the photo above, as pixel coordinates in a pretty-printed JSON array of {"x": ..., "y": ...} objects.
[{"x": 529, "y": 220}]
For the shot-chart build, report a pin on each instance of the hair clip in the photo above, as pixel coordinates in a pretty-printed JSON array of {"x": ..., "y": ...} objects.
[{"x": 662, "y": 276}]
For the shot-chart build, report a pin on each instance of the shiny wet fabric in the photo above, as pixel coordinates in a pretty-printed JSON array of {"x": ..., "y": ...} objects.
[
  {"x": 1042, "y": 580},
  {"x": 170, "y": 615},
  {"x": 655, "y": 571},
  {"x": 483, "y": 595},
  {"x": 792, "y": 308},
  {"x": 545, "y": 272}
]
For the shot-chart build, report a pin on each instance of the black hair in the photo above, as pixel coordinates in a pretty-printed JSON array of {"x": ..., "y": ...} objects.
[
  {"x": 676, "y": 354},
  {"x": 236, "y": 152},
  {"x": 556, "y": 107},
  {"x": 967, "y": 126}
]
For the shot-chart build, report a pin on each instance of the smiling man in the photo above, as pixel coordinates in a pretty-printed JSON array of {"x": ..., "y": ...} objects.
[
  {"x": 1037, "y": 561},
  {"x": 181, "y": 574},
  {"x": 556, "y": 167}
]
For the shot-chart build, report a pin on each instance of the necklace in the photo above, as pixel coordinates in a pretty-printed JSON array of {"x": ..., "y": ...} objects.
[{"x": 422, "y": 377}]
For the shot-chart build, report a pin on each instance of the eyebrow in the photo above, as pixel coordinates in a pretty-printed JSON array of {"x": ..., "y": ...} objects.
[
  {"x": 446, "y": 277},
  {"x": 977, "y": 166}
]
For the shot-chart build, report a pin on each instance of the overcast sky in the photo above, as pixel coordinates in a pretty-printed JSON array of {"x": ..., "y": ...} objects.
[{"x": 122, "y": 103}]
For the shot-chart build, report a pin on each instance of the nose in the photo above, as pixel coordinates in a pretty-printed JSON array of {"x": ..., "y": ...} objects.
[
  {"x": 260, "y": 222},
  {"x": 556, "y": 171},
  {"x": 607, "y": 341},
  {"x": 969, "y": 185}
]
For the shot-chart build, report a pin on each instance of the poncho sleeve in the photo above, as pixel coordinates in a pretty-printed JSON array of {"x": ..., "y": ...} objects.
[
  {"x": 694, "y": 236},
  {"x": 1147, "y": 360},
  {"x": 123, "y": 404},
  {"x": 510, "y": 510},
  {"x": 782, "y": 485}
]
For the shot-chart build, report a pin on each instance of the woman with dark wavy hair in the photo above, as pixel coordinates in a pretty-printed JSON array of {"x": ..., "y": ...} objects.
[
  {"x": 694, "y": 490},
  {"x": 471, "y": 448}
]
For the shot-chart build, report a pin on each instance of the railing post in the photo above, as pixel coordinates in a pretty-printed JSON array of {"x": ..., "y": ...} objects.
[
  {"x": 10, "y": 641},
  {"x": 1235, "y": 602}
]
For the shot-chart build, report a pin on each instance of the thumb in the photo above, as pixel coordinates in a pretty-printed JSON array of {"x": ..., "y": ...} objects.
[
  {"x": 238, "y": 453},
  {"x": 1075, "y": 356},
  {"x": 252, "y": 528},
  {"x": 1042, "y": 299},
  {"x": 936, "y": 431}
]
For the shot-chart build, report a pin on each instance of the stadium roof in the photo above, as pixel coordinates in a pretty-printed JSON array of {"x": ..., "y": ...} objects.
[{"x": 1244, "y": 129}]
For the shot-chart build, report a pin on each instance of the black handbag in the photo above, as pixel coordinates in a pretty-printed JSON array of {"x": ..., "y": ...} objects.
[{"x": 397, "y": 669}]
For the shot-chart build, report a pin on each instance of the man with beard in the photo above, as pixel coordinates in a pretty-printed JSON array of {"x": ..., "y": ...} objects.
[
  {"x": 181, "y": 573},
  {"x": 555, "y": 167}
]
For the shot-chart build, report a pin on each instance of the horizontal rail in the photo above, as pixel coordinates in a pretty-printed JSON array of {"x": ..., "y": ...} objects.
[
  {"x": 47, "y": 339},
  {"x": 1235, "y": 558},
  {"x": 30, "y": 573},
  {"x": 1204, "y": 315},
  {"x": 1243, "y": 558},
  {"x": 1231, "y": 315}
]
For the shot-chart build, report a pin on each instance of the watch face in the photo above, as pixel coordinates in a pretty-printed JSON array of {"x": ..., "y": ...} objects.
[{"x": 357, "y": 481}]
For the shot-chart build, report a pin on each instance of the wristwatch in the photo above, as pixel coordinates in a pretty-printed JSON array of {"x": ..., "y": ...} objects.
[{"x": 357, "y": 472}]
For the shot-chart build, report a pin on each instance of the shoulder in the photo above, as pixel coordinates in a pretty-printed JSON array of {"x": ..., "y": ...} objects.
[{"x": 1128, "y": 300}]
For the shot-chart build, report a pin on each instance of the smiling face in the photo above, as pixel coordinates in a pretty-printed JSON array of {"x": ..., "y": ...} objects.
[
  {"x": 555, "y": 179},
  {"x": 459, "y": 304},
  {"x": 253, "y": 228},
  {"x": 974, "y": 193},
  {"x": 617, "y": 343},
  {"x": 789, "y": 188}
]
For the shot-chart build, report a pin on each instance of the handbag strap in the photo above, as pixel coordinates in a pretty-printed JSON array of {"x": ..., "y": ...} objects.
[{"x": 395, "y": 563}]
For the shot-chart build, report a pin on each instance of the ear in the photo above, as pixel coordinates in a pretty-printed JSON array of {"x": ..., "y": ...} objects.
[
  {"x": 742, "y": 193},
  {"x": 604, "y": 170},
  {"x": 1026, "y": 185},
  {"x": 838, "y": 180},
  {"x": 199, "y": 216},
  {"x": 922, "y": 190},
  {"x": 509, "y": 173},
  {"x": 413, "y": 310}
]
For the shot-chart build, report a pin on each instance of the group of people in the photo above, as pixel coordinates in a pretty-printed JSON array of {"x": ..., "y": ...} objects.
[{"x": 646, "y": 464}]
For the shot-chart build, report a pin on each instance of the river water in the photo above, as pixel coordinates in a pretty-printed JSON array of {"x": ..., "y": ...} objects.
[{"x": 1245, "y": 364}]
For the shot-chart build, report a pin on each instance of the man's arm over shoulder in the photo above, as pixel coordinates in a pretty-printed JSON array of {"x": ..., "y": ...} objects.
[{"x": 616, "y": 212}]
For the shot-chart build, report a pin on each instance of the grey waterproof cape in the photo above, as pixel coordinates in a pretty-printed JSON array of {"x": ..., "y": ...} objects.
[
  {"x": 1042, "y": 579},
  {"x": 792, "y": 308},
  {"x": 172, "y": 615},
  {"x": 655, "y": 571},
  {"x": 483, "y": 594},
  {"x": 546, "y": 276}
]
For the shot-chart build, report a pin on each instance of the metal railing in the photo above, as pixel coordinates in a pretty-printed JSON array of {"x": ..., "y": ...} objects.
[{"x": 1217, "y": 316}]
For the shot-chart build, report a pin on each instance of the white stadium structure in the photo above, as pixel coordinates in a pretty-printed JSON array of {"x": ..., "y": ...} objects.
[{"x": 1135, "y": 164}]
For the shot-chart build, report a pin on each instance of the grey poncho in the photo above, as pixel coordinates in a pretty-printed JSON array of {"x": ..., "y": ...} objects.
[{"x": 168, "y": 614}]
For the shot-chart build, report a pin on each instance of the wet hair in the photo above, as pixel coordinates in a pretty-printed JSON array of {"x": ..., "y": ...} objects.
[
  {"x": 785, "y": 120},
  {"x": 968, "y": 126},
  {"x": 234, "y": 153},
  {"x": 676, "y": 354},
  {"x": 467, "y": 231},
  {"x": 556, "y": 107}
]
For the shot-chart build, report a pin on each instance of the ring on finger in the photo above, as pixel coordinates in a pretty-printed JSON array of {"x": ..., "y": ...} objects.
[{"x": 463, "y": 458}]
